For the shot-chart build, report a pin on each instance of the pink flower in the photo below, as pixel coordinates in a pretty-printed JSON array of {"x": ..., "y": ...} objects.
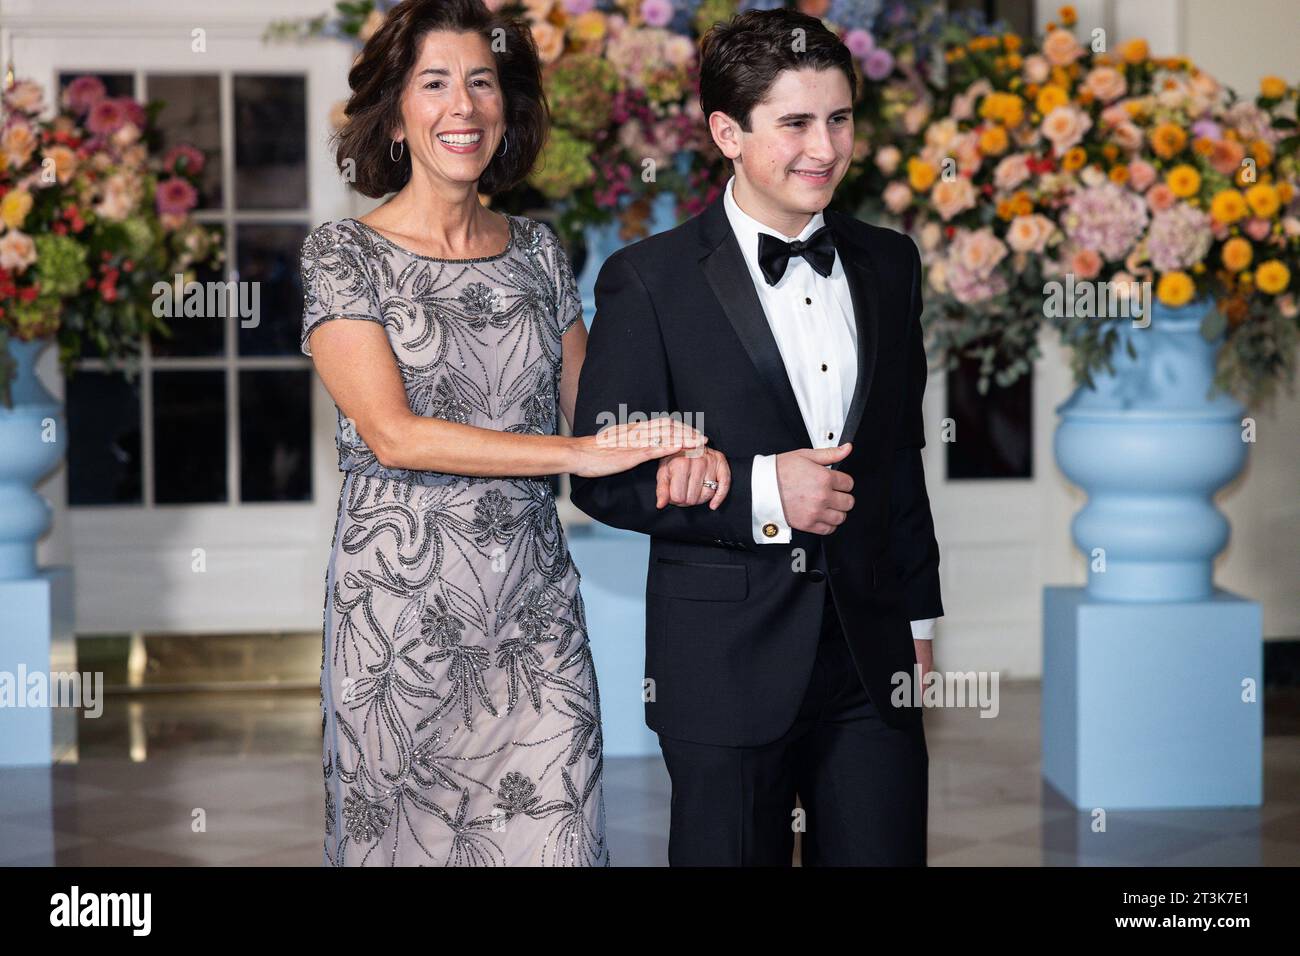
[
  {"x": 656, "y": 13},
  {"x": 1161, "y": 197},
  {"x": 1061, "y": 48},
  {"x": 1141, "y": 174},
  {"x": 1105, "y": 83},
  {"x": 1128, "y": 137},
  {"x": 83, "y": 93},
  {"x": 1257, "y": 229},
  {"x": 1085, "y": 263},
  {"x": 1011, "y": 172},
  {"x": 897, "y": 197},
  {"x": 952, "y": 196},
  {"x": 878, "y": 64},
  {"x": 175, "y": 196},
  {"x": 1064, "y": 127},
  {"x": 193, "y": 159},
  {"x": 1029, "y": 233},
  {"x": 106, "y": 116},
  {"x": 860, "y": 42}
]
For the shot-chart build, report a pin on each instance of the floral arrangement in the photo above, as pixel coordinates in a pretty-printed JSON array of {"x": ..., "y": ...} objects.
[
  {"x": 1064, "y": 161},
  {"x": 622, "y": 81},
  {"x": 90, "y": 219}
]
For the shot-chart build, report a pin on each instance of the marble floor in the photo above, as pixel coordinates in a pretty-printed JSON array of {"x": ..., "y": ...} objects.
[{"x": 251, "y": 761}]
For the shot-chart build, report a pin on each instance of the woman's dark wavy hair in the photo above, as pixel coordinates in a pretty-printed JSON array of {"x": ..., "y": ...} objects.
[
  {"x": 380, "y": 73},
  {"x": 740, "y": 60}
]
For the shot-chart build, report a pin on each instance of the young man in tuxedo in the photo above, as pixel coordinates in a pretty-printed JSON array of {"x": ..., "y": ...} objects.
[{"x": 777, "y": 620}]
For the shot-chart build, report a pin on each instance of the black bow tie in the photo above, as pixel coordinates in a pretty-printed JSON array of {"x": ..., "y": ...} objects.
[{"x": 774, "y": 254}]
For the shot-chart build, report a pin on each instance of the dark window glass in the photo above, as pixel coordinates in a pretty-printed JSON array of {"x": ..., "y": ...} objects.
[
  {"x": 270, "y": 142},
  {"x": 267, "y": 253},
  {"x": 115, "y": 84},
  {"x": 191, "y": 114},
  {"x": 275, "y": 435},
  {"x": 104, "y": 464},
  {"x": 189, "y": 436},
  {"x": 994, "y": 431},
  {"x": 195, "y": 335}
]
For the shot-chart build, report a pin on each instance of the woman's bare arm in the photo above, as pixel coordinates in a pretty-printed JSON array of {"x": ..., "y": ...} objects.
[
  {"x": 573, "y": 351},
  {"x": 356, "y": 363}
]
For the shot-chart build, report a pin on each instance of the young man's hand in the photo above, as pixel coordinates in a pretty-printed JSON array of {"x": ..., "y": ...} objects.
[
  {"x": 681, "y": 478},
  {"x": 815, "y": 498}
]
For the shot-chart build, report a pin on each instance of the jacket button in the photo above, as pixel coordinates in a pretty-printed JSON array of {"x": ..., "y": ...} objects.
[{"x": 816, "y": 574}]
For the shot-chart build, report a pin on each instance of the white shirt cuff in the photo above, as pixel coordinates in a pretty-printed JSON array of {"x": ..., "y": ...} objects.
[
  {"x": 765, "y": 495},
  {"x": 923, "y": 630}
]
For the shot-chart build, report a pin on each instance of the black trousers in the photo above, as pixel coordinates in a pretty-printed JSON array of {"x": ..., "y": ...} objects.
[{"x": 862, "y": 785}]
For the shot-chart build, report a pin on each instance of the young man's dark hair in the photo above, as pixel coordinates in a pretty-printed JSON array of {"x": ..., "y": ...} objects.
[{"x": 740, "y": 60}]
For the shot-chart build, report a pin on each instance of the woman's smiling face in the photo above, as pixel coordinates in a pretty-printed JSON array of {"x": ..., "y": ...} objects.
[{"x": 453, "y": 110}]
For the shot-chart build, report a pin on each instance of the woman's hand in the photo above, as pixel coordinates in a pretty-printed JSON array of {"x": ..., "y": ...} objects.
[
  {"x": 620, "y": 447},
  {"x": 681, "y": 479}
]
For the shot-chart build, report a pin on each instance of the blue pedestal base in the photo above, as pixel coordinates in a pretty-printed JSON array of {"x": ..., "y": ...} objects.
[
  {"x": 36, "y": 638},
  {"x": 613, "y": 565},
  {"x": 1143, "y": 703}
]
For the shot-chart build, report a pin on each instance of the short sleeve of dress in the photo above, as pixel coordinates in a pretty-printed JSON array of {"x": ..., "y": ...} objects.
[
  {"x": 334, "y": 282},
  {"x": 568, "y": 307}
]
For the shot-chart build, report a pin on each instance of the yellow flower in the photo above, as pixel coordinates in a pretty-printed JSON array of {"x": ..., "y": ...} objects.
[
  {"x": 1285, "y": 193},
  {"x": 14, "y": 207},
  {"x": 1119, "y": 174},
  {"x": 1068, "y": 15},
  {"x": 1262, "y": 152},
  {"x": 1050, "y": 97},
  {"x": 993, "y": 141},
  {"x": 1236, "y": 254},
  {"x": 1272, "y": 87},
  {"x": 1272, "y": 277},
  {"x": 1168, "y": 140},
  {"x": 1184, "y": 181},
  {"x": 1011, "y": 41},
  {"x": 1074, "y": 159},
  {"x": 1134, "y": 51},
  {"x": 589, "y": 26},
  {"x": 1228, "y": 206},
  {"x": 1005, "y": 108},
  {"x": 1175, "y": 288},
  {"x": 1263, "y": 200},
  {"x": 920, "y": 174}
]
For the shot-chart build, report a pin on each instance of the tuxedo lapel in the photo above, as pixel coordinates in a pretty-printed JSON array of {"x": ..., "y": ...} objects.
[
  {"x": 864, "y": 285},
  {"x": 727, "y": 273}
]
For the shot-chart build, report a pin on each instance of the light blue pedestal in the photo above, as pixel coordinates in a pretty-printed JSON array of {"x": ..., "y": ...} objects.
[
  {"x": 1143, "y": 703},
  {"x": 613, "y": 566},
  {"x": 36, "y": 637}
]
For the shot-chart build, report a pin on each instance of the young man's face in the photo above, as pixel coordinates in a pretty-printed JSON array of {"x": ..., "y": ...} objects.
[{"x": 798, "y": 149}]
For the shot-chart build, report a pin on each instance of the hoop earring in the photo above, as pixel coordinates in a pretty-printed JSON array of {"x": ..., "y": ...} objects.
[
  {"x": 400, "y": 153},
  {"x": 505, "y": 145}
]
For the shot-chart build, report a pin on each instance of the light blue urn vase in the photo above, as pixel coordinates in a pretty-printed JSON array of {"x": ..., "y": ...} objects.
[
  {"x": 1151, "y": 447},
  {"x": 31, "y": 436}
]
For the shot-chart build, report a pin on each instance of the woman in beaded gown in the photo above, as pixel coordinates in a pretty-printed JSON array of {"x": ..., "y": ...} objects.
[{"x": 461, "y": 713}]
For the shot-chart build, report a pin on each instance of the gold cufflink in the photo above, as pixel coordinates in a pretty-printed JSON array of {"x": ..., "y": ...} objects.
[{"x": 769, "y": 530}]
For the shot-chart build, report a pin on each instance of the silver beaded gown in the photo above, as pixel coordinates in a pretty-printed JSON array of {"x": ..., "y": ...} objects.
[{"x": 460, "y": 713}]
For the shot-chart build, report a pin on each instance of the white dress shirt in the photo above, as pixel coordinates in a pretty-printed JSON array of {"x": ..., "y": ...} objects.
[{"x": 811, "y": 317}]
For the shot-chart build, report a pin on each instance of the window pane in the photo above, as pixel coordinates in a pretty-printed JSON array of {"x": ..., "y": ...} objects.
[
  {"x": 275, "y": 435},
  {"x": 270, "y": 142},
  {"x": 267, "y": 254},
  {"x": 196, "y": 335},
  {"x": 994, "y": 433},
  {"x": 104, "y": 466},
  {"x": 191, "y": 114},
  {"x": 115, "y": 84},
  {"x": 189, "y": 436}
]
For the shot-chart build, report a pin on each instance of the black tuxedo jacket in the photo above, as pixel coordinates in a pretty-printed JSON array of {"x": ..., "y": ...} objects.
[{"x": 732, "y": 626}]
